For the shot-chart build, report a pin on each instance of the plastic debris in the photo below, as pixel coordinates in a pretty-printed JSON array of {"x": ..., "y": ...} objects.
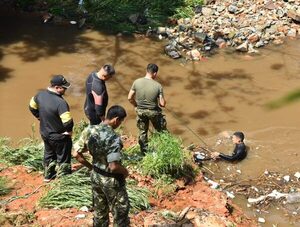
[
  {"x": 297, "y": 175},
  {"x": 84, "y": 209},
  {"x": 261, "y": 220},
  {"x": 73, "y": 22},
  {"x": 239, "y": 171},
  {"x": 275, "y": 194},
  {"x": 230, "y": 195},
  {"x": 287, "y": 178},
  {"x": 80, "y": 216}
]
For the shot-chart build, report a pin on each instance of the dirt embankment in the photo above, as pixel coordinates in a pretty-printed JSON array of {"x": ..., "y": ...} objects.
[{"x": 197, "y": 204}]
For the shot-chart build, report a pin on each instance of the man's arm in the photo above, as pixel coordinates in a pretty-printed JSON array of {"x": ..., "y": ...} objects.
[
  {"x": 81, "y": 159},
  {"x": 238, "y": 154},
  {"x": 34, "y": 108},
  {"x": 99, "y": 108},
  {"x": 162, "y": 101},
  {"x": 131, "y": 98},
  {"x": 116, "y": 167}
]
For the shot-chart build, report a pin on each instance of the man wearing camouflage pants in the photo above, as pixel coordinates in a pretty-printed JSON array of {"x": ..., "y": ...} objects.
[
  {"x": 147, "y": 96},
  {"x": 108, "y": 175}
]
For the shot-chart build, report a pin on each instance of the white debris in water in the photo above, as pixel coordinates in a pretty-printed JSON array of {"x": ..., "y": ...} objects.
[
  {"x": 230, "y": 195},
  {"x": 287, "y": 178},
  {"x": 266, "y": 172},
  {"x": 222, "y": 181},
  {"x": 248, "y": 205},
  {"x": 255, "y": 188},
  {"x": 295, "y": 213},
  {"x": 297, "y": 175},
  {"x": 261, "y": 220},
  {"x": 257, "y": 148},
  {"x": 239, "y": 171},
  {"x": 80, "y": 216},
  {"x": 73, "y": 22},
  {"x": 275, "y": 194}
]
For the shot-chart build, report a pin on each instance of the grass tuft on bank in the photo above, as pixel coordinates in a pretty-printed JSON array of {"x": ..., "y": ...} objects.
[
  {"x": 167, "y": 157},
  {"x": 4, "y": 187},
  {"x": 75, "y": 191}
]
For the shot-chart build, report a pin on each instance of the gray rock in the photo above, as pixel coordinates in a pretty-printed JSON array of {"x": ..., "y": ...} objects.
[
  {"x": 200, "y": 36},
  {"x": 243, "y": 47},
  {"x": 259, "y": 44},
  {"x": 232, "y": 9}
]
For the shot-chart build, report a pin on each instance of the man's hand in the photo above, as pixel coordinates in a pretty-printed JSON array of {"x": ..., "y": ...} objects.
[{"x": 215, "y": 155}]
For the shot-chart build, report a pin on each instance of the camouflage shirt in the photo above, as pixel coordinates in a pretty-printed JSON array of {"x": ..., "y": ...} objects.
[{"x": 103, "y": 144}]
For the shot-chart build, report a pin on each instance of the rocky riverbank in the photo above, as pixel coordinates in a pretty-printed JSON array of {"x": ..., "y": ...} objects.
[{"x": 245, "y": 25}]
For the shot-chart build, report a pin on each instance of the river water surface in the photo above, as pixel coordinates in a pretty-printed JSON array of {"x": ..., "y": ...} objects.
[{"x": 226, "y": 92}]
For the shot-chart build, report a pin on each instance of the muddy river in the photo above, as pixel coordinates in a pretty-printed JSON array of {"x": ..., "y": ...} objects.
[{"x": 223, "y": 93}]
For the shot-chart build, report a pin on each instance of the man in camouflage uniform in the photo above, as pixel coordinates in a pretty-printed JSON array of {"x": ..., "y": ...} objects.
[
  {"x": 147, "y": 96},
  {"x": 108, "y": 175}
]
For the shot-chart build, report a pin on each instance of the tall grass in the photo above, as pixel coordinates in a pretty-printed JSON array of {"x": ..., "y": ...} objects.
[
  {"x": 28, "y": 153},
  {"x": 75, "y": 191},
  {"x": 167, "y": 157}
]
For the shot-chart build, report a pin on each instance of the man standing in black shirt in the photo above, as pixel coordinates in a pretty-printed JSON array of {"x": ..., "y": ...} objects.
[
  {"x": 56, "y": 125},
  {"x": 239, "y": 152},
  {"x": 96, "y": 94}
]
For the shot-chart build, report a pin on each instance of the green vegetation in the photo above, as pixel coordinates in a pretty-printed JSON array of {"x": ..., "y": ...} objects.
[
  {"x": 287, "y": 99},
  {"x": 118, "y": 15},
  {"x": 4, "y": 188},
  {"x": 167, "y": 158},
  {"x": 75, "y": 191},
  {"x": 29, "y": 153}
]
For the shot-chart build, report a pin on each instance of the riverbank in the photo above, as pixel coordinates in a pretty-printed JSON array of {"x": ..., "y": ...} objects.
[
  {"x": 192, "y": 203},
  {"x": 244, "y": 26}
]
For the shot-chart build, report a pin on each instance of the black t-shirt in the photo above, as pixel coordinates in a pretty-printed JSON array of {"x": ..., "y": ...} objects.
[
  {"x": 238, "y": 154},
  {"x": 95, "y": 87}
]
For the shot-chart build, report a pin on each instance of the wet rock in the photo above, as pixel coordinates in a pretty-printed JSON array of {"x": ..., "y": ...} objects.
[
  {"x": 253, "y": 38},
  {"x": 47, "y": 17},
  {"x": 243, "y": 47},
  {"x": 172, "y": 52},
  {"x": 200, "y": 36},
  {"x": 195, "y": 55}
]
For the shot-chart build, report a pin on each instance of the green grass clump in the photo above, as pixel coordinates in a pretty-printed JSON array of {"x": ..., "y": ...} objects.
[
  {"x": 29, "y": 153},
  {"x": 187, "y": 9},
  {"x": 75, "y": 191},
  {"x": 70, "y": 191},
  {"x": 166, "y": 157},
  {"x": 287, "y": 99},
  {"x": 4, "y": 188}
]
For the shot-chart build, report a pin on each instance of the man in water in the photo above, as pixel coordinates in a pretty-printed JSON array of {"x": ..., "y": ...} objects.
[
  {"x": 147, "y": 96},
  {"x": 239, "y": 152},
  {"x": 96, "y": 94}
]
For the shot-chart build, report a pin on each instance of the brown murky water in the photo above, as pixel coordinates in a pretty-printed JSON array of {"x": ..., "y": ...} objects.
[{"x": 227, "y": 92}]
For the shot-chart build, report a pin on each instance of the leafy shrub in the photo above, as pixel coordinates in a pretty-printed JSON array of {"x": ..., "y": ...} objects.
[{"x": 166, "y": 157}]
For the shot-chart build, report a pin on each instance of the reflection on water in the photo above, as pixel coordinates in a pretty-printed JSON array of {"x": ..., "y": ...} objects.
[{"x": 225, "y": 92}]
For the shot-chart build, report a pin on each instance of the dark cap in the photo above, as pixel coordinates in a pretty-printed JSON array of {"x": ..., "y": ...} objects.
[{"x": 59, "y": 80}]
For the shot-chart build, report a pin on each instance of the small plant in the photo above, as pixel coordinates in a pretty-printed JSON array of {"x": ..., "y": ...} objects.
[
  {"x": 164, "y": 186},
  {"x": 166, "y": 157},
  {"x": 4, "y": 188}
]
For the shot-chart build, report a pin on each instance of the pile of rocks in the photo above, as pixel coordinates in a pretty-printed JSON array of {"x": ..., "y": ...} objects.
[{"x": 242, "y": 24}]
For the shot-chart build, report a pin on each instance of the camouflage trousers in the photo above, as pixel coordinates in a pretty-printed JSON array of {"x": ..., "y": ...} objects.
[
  {"x": 109, "y": 194},
  {"x": 145, "y": 116}
]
